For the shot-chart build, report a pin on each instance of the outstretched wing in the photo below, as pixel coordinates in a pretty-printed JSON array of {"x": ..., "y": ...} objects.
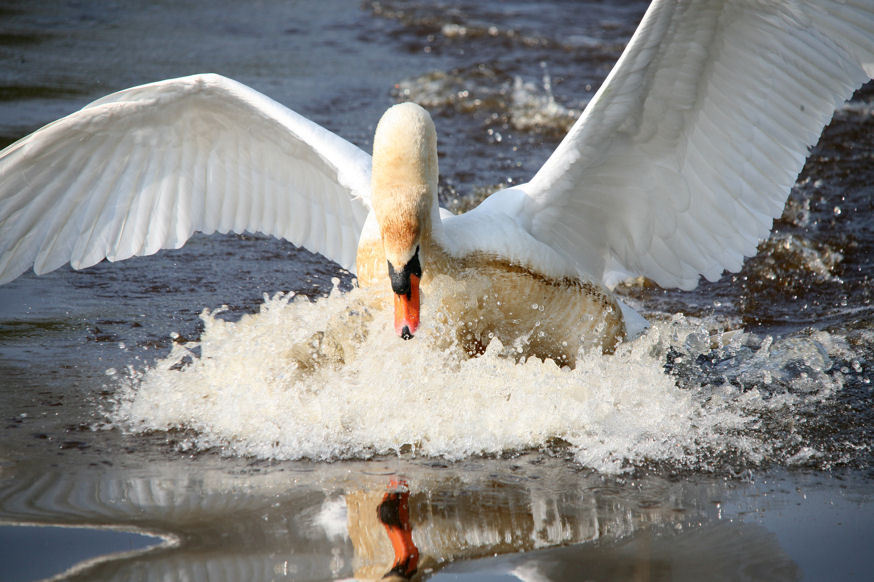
[
  {"x": 687, "y": 153},
  {"x": 145, "y": 168}
]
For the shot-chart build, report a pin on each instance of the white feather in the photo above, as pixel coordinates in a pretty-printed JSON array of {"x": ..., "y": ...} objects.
[
  {"x": 145, "y": 168},
  {"x": 689, "y": 149}
]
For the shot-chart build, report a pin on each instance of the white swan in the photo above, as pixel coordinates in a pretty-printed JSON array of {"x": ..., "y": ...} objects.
[{"x": 676, "y": 169}]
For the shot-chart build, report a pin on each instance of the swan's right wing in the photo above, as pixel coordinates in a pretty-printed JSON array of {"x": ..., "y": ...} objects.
[
  {"x": 145, "y": 168},
  {"x": 689, "y": 149}
]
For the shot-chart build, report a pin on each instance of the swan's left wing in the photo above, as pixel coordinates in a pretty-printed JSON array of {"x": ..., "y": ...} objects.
[
  {"x": 145, "y": 168},
  {"x": 687, "y": 153}
]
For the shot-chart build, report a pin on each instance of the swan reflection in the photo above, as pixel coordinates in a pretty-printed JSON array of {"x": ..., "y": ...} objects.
[
  {"x": 392, "y": 512},
  {"x": 334, "y": 523}
]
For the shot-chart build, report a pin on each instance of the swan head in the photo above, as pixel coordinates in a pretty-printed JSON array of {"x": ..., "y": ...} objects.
[{"x": 404, "y": 194}]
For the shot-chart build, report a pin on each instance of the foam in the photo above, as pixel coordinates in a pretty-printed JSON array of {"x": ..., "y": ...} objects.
[
  {"x": 525, "y": 105},
  {"x": 253, "y": 390}
]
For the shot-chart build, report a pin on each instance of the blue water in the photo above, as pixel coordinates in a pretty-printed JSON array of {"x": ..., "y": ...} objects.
[{"x": 26, "y": 547}]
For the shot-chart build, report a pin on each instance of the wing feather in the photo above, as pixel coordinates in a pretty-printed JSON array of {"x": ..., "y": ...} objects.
[
  {"x": 159, "y": 213},
  {"x": 145, "y": 168},
  {"x": 686, "y": 154}
]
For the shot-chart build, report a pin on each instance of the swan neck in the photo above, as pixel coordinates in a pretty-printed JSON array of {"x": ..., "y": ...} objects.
[{"x": 404, "y": 180}]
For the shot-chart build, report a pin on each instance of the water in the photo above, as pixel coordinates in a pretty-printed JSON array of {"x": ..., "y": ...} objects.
[
  {"x": 25, "y": 548},
  {"x": 733, "y": 439}
]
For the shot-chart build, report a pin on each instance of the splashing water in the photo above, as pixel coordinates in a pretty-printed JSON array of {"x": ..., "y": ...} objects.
[
  {"x": 329, "y": 380},
  {"x": 523, "y": 105}
]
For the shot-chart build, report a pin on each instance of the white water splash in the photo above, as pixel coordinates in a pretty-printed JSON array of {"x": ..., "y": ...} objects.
[
  {"x": 249, "y": 394},
  {"x": 533, "y": 107},
  {"x": 525, "y": 105}
]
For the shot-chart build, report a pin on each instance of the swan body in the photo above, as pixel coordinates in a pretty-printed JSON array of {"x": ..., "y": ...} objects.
[
  {"x": 483, "y": 295},
  {"x": 676, "y": 169}
]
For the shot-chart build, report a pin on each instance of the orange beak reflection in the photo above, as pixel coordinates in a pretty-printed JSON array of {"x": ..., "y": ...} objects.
[
  {"x": 407, "y": 310},
  {"x": 394, "y": 514}
]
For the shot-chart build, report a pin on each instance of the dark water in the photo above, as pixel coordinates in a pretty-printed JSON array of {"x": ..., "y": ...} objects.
[{"x": 503, "y": 82}]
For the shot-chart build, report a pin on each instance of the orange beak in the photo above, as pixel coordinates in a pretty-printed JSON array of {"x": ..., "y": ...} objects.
[{"x": 407, "y": 310}]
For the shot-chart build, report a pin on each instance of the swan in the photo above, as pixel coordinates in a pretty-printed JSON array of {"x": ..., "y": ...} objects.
[
  {"x": 675, "y": 170},
  {"x": 489, "y": 291}
]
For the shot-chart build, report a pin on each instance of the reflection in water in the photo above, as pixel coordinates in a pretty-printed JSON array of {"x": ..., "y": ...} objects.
[
  {"x": 716, "y": 551},
  {"x": 660, "y": 547},
  {"x": 335, "y": 521},
  {"x": 394, "y": 513}
]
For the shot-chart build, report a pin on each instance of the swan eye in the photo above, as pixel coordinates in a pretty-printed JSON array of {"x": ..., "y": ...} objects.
[{"x": 400, "y": 280}]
